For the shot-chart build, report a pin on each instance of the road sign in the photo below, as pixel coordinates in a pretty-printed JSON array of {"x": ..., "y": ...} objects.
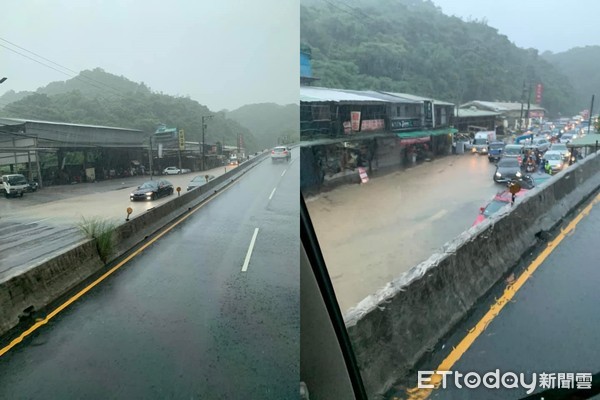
[
  {"x": 181, "y": 140},
  {"x": 364, "y": 178},
  {"x": 514, "y": 188}
]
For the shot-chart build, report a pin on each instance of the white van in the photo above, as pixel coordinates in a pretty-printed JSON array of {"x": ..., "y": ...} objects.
[{"x": 13, "y": 185}]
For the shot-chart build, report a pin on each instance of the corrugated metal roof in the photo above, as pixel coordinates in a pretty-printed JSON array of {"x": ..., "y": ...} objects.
[
  {"x": 587, "y": 140},
  {"x": 383, "y": 96},
  {"x": 314, "y": 94},
  {"x": 319, "y": 94},
  {"x": 468, "y": 112},
  {"x": 10, "y": 122},
  {"x": 17, "y": 121},
  {"x": 499, "y": 106},
  {"x": 418, "y": 98}
]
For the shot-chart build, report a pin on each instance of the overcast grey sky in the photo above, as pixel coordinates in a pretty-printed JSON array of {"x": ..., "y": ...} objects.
[
  {"x": 554, "y": 25},
  {"x": 222, "y": 53}
]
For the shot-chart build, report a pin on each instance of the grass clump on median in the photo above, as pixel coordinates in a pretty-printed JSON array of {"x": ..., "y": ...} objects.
[{"x": 101, "y": 230}]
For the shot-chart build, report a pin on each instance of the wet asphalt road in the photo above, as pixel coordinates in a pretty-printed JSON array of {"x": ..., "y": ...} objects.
[
  {"x": 550, "y": 326},
  {"x": 44, "y": 223},
  {"x": 182, "y": 320}
]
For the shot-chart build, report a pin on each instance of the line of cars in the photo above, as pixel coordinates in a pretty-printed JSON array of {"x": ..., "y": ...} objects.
[
  {"x": 511, "y": 168},
  {"x": 512, "y": 159},
  {"x": 153, "y": 190}
]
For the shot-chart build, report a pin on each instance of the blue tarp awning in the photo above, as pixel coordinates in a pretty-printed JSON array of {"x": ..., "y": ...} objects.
[{"x": 523, "y": 137}]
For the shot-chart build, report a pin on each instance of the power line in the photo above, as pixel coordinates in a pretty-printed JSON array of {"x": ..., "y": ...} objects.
[
  {"x": 57, "y": 70},
  {"x": 37, "y": 55},
  {"x": 352, "y": 13},
  {"x": 359, "y": 11},
  {"x": 341, "y": 9},
  {"x": 55, "y": 63}
]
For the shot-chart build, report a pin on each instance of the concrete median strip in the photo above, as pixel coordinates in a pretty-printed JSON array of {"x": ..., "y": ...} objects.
[
  {"x": 393, "y": 329},
  {"x": 49, "y": 280}
]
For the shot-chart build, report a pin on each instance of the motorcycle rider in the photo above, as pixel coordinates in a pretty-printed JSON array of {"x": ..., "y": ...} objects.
[{"x": 530, "y": 163}]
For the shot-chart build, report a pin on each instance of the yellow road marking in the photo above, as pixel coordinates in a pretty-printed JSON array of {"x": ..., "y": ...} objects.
[
  {"x": 509, "y": 293},
  {"x": 51, "y": 315}
]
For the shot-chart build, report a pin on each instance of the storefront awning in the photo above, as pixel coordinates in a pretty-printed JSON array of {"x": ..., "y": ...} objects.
[
  {"x": 591, "y": 139},
  {"x": 432, "y": 132}
]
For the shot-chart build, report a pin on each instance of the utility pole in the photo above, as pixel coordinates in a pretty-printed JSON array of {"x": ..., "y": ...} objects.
[
  {"x": 204, "y": 118},
  {"x": 528, "y": 103},
  {"x": 150, "y": 157},
  {"x": 521, "y": 115},
  {"x": 591, "y": 112}
]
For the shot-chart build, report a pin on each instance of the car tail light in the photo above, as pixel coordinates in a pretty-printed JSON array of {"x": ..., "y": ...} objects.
[
  {"x": 272, "y": 151},
  {"x": 285, "y": 152}
]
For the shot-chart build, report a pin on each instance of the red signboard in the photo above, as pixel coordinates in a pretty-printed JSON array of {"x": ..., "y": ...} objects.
[
  {"x": 347, "y": 127},
  {"x": 536, "y": 114},
  {"x": 355, "y": 119},
  {"x": 372, "y": 125},
  {"x": 364, "y": 178},
  {"x": 539, "y": 89}
]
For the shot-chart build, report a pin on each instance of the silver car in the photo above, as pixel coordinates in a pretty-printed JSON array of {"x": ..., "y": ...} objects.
[
  {"x": 555, "y": 159},
  {"x": 566, "y": 138},
  {"x": 539, "y": 144},
  {"x": 281, "y": 153},
  {"x": 562, "y": 148}
]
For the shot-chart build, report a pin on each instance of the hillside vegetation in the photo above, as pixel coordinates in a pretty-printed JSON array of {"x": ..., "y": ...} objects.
[
  {"x": 580, "y": 65},
  {"x": 411, "y": 46},
  {"x": 271, "y": 123},
  {"x": 100, "y": 98}
]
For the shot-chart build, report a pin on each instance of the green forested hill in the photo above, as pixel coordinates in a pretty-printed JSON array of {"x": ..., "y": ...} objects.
[
  {"x": 411, "y": 46},
  {"x": 269, "y": 122},
  {"x": 115, "y": 101},
  {"x": 94, "y": 83},
  {"x": 580, "y": 65}
]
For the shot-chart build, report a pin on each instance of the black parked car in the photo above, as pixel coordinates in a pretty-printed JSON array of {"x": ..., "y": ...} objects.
[
  {"x": 152, "y": 190},
  {"x": 507, "y": 169},
  {"x": 32, "y": 186}
]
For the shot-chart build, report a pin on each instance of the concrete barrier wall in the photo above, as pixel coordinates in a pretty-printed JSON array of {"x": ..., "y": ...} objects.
[
  {"x": 46, "y": 282},
  {"x": 395, "y": 328},
  {"x": 50, "y": 279},
  {"x": 137, "y": 229}
]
